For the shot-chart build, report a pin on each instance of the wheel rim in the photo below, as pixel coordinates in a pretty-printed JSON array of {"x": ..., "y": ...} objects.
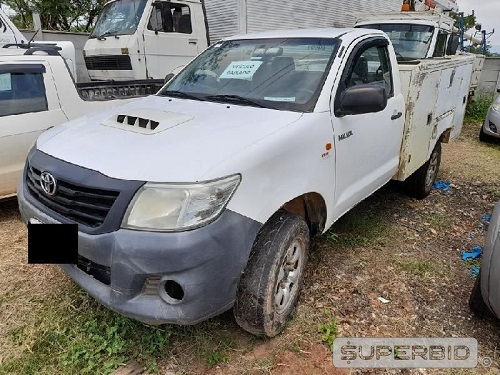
[
  {"x": 288, "y": 277},
  {"x": 432, "y": 170}
]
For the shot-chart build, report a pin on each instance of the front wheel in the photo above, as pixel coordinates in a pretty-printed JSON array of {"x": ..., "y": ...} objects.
[
  {"x": 419, "y": 184},
  {"x": 270, "y": 285},
  {"x": 483, "y": 137},
  {"x": 476, "y": 301}
]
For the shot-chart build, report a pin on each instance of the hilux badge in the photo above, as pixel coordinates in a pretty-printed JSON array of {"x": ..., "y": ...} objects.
[{"x": 48, "y": 183}]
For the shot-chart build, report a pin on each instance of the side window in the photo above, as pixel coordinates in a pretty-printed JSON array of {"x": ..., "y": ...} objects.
[
  {"x": 440, "y": 49},
  {"x": 372, "y": 66},
  {"x": 22, "y": 93},
  {"x": 170, "y": 18}
]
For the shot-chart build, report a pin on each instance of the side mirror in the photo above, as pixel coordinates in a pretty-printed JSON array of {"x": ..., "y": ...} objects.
[
  {"x": 360, "y": 99},
  {"x": 168, "y": 77},
  {"x": 498, "y": 90}
]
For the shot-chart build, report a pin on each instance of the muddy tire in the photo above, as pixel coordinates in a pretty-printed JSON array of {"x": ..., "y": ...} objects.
[
  {"x": 476, "y": 301},
  {"x": 419, "y": 184},
  {"x": 270, "y": 285}
]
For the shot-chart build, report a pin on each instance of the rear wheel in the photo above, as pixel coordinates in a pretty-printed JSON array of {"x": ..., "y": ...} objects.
[
  {"x": 419, "y": 184},
  {"x": 270, "y": 286}
]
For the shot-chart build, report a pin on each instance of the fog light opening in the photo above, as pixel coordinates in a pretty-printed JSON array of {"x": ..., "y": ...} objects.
[
  {"x": 174, "y": 290},
  {"x": 493, "y": 128}
]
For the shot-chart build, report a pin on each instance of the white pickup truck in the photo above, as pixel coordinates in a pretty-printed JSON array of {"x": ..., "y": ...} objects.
[
  {"x": 37, "y": 92},
  {"x": 211, "y": 190}
]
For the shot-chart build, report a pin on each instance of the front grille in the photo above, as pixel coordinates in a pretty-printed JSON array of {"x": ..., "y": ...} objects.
[
  {"x": 97, "y": 271},
  {"x": 112, "y": 62},
  {"x": 80, "y": 204}
]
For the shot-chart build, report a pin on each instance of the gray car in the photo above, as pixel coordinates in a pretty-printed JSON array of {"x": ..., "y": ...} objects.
[
  {"x": 491, "y": 126},
  {"x": 485, "y": 297}
]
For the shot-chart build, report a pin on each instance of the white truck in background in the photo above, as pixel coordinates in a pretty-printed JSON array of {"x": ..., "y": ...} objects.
[
  {"x": 11, "y": 37},
  {"x": 38, "y": 92},
  {"x": 139, "y": 39},
  {"x": 213, "y": 187}
]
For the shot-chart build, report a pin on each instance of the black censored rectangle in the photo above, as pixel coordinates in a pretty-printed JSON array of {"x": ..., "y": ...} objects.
[{"x": 52, "y": 243}]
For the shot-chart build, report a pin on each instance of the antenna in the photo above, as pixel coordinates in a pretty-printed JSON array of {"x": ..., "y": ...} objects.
[{"x": 33, "y": 37}]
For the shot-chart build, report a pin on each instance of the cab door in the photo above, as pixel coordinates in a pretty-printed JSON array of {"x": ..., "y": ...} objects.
[
  {"x": 170, "y": 38},
  {"x": 28, "y": 106},
  {"x": 367, "y": 145}
]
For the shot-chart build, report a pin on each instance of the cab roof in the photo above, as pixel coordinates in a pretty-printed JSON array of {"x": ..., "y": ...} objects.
[{"x": 308, "y": 33}]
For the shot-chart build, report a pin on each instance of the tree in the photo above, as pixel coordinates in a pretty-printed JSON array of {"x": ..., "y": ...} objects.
[{"x": 68, "y": 15}]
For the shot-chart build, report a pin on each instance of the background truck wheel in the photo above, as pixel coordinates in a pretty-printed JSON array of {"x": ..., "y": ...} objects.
[
  {"x": 419, "y": 184},
  {"x": 476, "y": 302},
  {"x": 270, "y": 285}
]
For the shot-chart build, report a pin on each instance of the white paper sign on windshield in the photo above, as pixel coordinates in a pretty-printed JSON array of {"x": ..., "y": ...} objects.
[
  {"x": 5, "y": 82},
  {"x": 241, "y": 70}
]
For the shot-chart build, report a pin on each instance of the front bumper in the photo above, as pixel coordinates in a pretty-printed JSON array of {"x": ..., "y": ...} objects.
[
  {"x": 131, "y": 268},
  {"x": 493, "y": 117}
]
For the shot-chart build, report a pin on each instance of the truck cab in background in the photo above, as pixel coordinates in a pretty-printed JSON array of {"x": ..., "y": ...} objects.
[
  {"x": 423, "y": 30},
  {"x": 140, "y": 39}
]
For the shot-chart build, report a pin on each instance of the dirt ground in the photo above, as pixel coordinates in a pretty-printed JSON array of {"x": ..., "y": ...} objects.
[{"x": 391, "y": 246}]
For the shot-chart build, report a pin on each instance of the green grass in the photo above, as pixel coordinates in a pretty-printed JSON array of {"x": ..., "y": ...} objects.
[
  {"x": 83, "y": 337},
  {"x": 418, "y": 267},
  {"x": 358, "y": 228},
  {"x": 329, "y": 331},
  {"x": 476, "y": 110}
]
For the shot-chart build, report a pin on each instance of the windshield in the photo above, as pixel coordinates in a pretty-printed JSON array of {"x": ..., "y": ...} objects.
[
  {"x": 120, "y": 17},
  {"x": 272, "y": 73},
  {"x": 410, "y": 42}
]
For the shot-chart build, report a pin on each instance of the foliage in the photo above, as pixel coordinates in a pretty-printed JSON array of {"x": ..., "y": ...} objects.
[
  {"x": 328, "y": 332},
  {"x": 68, "y": 15},
  {"x": 477, "y": 109},
  {"x": 83, "y": 338}
]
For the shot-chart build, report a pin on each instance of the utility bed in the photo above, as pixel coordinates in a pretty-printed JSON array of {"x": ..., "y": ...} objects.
[{"x": 431, "y": 88}]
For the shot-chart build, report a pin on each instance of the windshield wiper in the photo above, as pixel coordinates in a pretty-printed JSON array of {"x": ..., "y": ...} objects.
[
  {"x": 236, "y": 99},
  {"x": 107, "y": 33},
  {"x": 179, "y": 94}
]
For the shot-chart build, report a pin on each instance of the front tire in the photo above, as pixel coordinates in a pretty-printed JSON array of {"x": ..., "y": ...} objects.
[
  {"x": 419, "y": 184},
  {"x": 270, "y": 285},
  {"x": 476, "y": 301},
  {"x": 483, "y": 137}
]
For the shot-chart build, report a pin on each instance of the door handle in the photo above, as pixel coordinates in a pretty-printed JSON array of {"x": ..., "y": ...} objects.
[
  {"x": 193, "y": 41},
  {"x": 396, "y": 116}
]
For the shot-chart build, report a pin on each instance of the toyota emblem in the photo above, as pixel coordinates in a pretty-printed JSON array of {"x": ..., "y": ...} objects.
[{"x": 48, "y": 183}]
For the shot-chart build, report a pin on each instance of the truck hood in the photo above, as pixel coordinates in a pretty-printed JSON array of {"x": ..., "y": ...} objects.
[{"x": 162, "y": 139}]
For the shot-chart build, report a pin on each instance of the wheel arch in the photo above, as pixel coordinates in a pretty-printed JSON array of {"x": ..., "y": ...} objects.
[{"x": 312, "y": 208}]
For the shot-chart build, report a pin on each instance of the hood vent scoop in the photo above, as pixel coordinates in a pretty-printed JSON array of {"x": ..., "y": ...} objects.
[
  {"x": 137, "y": 121},
  {"x": 146, "y": 121}
]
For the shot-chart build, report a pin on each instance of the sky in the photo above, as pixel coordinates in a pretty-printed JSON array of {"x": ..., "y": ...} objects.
[{"x": 487, "y": 14}]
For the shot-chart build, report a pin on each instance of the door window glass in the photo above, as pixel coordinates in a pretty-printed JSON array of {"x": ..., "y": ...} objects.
[
  {"x": 22, "y": 93},
  {"x": 170, "y": 18},
  {"x": 372, "y": 66}
]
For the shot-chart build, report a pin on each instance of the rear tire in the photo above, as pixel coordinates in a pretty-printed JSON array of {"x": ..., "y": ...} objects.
[
  {"x": 476, "y": 301},
  {"x": 419, "y": 184},
  {"x": 270, "y": 285}
]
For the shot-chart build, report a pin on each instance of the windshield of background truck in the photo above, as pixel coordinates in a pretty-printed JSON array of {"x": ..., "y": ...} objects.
[
  {"x": 283, "y": 74},
  {"x": 120, "y": 17},
  {"x": 411, "y": 42}
]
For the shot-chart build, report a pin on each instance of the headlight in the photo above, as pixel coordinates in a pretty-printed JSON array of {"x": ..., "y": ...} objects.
[
  {"x": 496, "y": 105},
  {"x": 177, "y": 207}
]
